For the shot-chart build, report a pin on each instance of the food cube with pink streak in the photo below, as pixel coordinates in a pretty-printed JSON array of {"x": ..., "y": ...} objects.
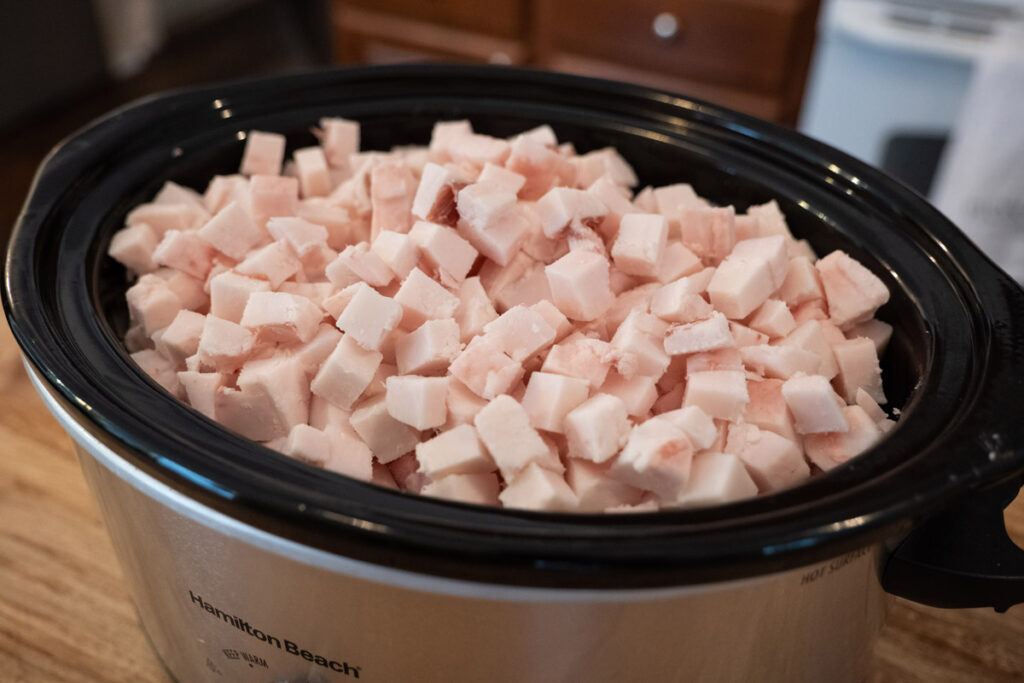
[
  {"x": 773, "y": 318},
  {"x": 740, "y": 285},
  {"x": 715, "y": 478},
  {"x": 703, "y": 335},
  {"x": 504, "y": 427},
  {"x": 422, "y": 298},
  {"x": 550, "y": 397},
  {"x": 263, "y": 154},
  {"x": 597, "y": 428},
  {"x": 443, "y": 249},
  {"x": 595, "y": 490},
  {"x": 275, "y": 263},
  {"x": 827, "y": 450},
  {"x": 579, "y": 285},
  {"x": 774, "y": 462},
  {"x": 368, "y": 317},
  {"x": 417, "y": 401},
  {"x": 281, "y": 317},
  {"x": 520, "y": 332},
  {"x": 656, "y": 458},
  {"x": 314, "y": 176},
  {"x": 340, "y": 140},
  {"x": 485, "y": 368},
  {"x": 388, "y": 438},
  {"x": 458, "y": 450},
  {"x": 133, "y": 248},
  {"x": 429, "y": 349},
  {"x": 640, "y": 243},
  {"x": 719, "y": 393},
  {"x": 853, "y": 292},
  {"x": 536, "y": 488},
  {"x": 815, "y": 406},
  {"x": 858, "y": 367},
  {"x": 346, "y": 373},
  {"x": 479, "y": 489}
]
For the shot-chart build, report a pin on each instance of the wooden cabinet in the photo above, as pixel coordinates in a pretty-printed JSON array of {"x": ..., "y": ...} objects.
[{"x": 751, "y": 55}]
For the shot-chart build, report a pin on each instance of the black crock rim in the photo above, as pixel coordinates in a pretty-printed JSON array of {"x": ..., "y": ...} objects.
[{"x": 972, "y": 441}]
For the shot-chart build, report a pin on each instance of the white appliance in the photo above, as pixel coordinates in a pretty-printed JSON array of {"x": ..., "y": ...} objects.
[{"x": 888, "y": 77}]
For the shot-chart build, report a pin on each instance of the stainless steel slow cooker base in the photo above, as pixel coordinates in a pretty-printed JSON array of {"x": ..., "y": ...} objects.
[{"x": 224, "y": 601}]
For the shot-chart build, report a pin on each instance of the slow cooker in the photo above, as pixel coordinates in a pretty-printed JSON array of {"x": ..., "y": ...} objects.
[{"x": 246, "y": 565}]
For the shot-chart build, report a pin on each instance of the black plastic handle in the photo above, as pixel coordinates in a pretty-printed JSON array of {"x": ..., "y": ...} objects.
[{"x": 962, "y": 557}]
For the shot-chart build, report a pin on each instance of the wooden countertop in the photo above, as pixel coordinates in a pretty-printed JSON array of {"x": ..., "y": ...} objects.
[{"x": 65, "y": 613}]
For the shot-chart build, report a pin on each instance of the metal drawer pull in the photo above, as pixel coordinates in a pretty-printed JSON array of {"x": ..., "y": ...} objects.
[{"x": 665, "y": 26}]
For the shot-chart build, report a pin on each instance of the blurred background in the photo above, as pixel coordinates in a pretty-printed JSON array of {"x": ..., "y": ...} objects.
[{"x": 930, "y": 90}]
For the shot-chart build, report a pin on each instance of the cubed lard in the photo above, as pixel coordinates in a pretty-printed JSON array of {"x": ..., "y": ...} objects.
[
  {"x": 853, "y": 292},
  {"x": 640, "y": 243},
  {"x": 773, "y": 318},
  {"x": 263, "y": 153},
  {"x": 443, "y": 249},
  {"x": 801, "y": 284},
  {"x": 523, "y": 285},
  {"x": 562, "y": 208},
  {"x": 542, "y": 167},
  {"x": 349, "y": 455},
  {"x": 345, "y": 373},
  {"x": 463, "y": 403},
  {"x": 504, "y": 427},
  {"x": 553, "y": 317},
  {"x": 771, "y": 249},
  {"x": 482, "y": 205},
  {"x": 435, "y": 195},
  {"x": 708, "y": 232},
  {"x": 340, "y": 139},
  {"x": 681, "y": 301},
  {"x": 595, "y": 490},
  {"x": 184, "y": 251},
  {"x": 616, "y": 200},
  {"x": 366, "y": 265},
  {"x": 638, "y": 392},
  {"x": 770, "y": 219},
  {"x": 780, "y": 362},
  {"x": 474, "y": 310},
  {"x": 773, "y": 462},
  {"x": 477, "y": 489},
  {"x": 740, "y": 285},
  {"x": 746, "y": 336},
  {"x": 429, "y": 349},
  {"x": 767, "y": 408},
  {"x": 180, "y": 339},
  {"x": 640, "y": 347},
  {"x": 417, "y": 401},
  {"x": 133, "y": 248},
  {"x": 703, "y": 335},
  {"x": 272, "y": 196},
  {"x": 159, "y": 369},
  {"x": 715, "y": 478},
  {"x": 224, "y": 189},
  {"x": 201, "y": 390},
  {"x": 314, "y": 176},
  {"x": 579, "y": 356},
  {"x": 719, "y": 393},
  {"x": 831, "y": 449},
  {"x": 307, "y": 240},
  {"x": 152, "y": 303},
  {"x": 392, "y": 189},
  {"x": 230, "y": 292},
  {"x": 224, "y": 345},
  {"x": 496, "y": 175},
  {"x": 697, "y": 424},
  {"x": 727, "y": 358},
  {"x": 858, "y": 366},
  {"x": 520, "y": 332},
  {"x": 874, "y": 411},
  {"x": 597, "y": 428},
  {"x": 815, "y": 406},
  {"x": 877, "y": 331},
  {"x": 275, "y": 263},
  {"x": 677, "y": 261},
  {"x": 536, "y": 488},
  {"x": 422, "y": 299},
  {"x": 369, "y": 317},
  {"x": 656, "y": 458},
  {"x": 635, "y": 298},
  {"x": 810, "y": 336},
  {"x": 308, "y": 445},
  {"x": 281, "y": 317},
  {"x": 486, "y": 369},
  {"x": 456, "y": 451},
  {"x": 314, "y": 352},
  {"x": 550, "y": 397},
  {"x": 671, "y": 201},
  {"x": 282, "y": 380},
  {"x": 164, "y": 217},
  {"x": 388, "y": 438},
  {"x": 580, "y": 286},
  {"x": 603, "y": 163},
  {"x": 397, "y": 251}
]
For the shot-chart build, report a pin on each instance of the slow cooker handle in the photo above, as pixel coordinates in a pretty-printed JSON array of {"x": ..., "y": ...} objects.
[{"x": 962, "y": 557}]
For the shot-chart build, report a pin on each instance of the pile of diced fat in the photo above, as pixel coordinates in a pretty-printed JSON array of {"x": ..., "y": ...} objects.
[{"x": 503, "y": 321}]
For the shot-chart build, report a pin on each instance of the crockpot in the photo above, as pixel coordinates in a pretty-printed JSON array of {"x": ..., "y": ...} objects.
[{"x": 247, "y": 565}]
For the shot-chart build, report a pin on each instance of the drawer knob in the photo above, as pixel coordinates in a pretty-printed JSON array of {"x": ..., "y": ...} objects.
[{"x": 665, "y": 26}]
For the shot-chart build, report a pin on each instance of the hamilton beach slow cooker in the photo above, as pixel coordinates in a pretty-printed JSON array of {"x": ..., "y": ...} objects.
[{"x": 247, "y": 565}]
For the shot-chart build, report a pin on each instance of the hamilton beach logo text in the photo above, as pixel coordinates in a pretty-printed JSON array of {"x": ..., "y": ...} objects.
[{"x": 281, "y": 644}]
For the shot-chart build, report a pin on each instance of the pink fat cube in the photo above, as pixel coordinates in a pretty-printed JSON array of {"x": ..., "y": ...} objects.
[
  {"x": 858, "y": 369},
  {"x": 773, "y": 318},
  {"x": 497, "y": 234},
  {"x": 770, "y": 219},
  {"x": 616, "y": 200},
  {"x": 180, "y": 339},
  {"x": 727, "y": 358},
  {"x": 708, "y": 232},
  {"x": 703, "y": 335},
  {"x": 159, "y": 369},
  {"x": 874, "y": 411},
  {"x": 350, "y": 456},
  {"x": 485, "y": 368},
  {"x": 563, "y": 207},
  {"x": 579, "y": 356},
  {"x": 308, "y": 445},
  {"x": 521, "y": 282},
  {"x": 341, "y": 229},
  {"x": 677, "y": 261},
  {"x": 188, "y": 289},
  {"x": 504, "y": 427},
  {"x": 746, "y": 336},
  {"x": 810, "y": 336},
  {"x": 553, "y": 317},
  {"x": 397, "y": 251},
  {"x": 345, "y": 373},
  {"x": 422, "y": 298},
  {"x": 853, "y": 292},
  {"x": 164, "y": 217},
  {"x": 715, "y": 479},
  {"x": 263, "y": 154},
  {"x": 678, "y": 302},
  {"x": 877, "y": 331},
  {"x": 173, "y": 193},
  {"x": 638, "y": 392},
  {"x": 772, "y": 249},
  {"x": 815, "y": 406},
  {"x": 767, "y": 408},
  {"x": 392, "y": 189},
  {"x": 417, "y": 401},
  {"x": 184, "y": 251},
  {"x": 673, "y": 200},
  {"x": 595, "y": 490},
  {"x": 133, "y": 248},
  {"x": 477, "y": 489},
  {"x": 802, "y": 283},
  {"x": 474, "y": 310},
  {"x": 482, "y": 205},
  {"x": 656, "y": 458},
  {"x": 428, "y": 349},
  {"x": 443, "y": 249},
  {"x": 314, "y": 176},
  {"x": 272, "y": 196},
  {"x": 698, "y": 425},
  {"x": 366, "y": 265},
  {"x": 627, "y": 300},
  {"x": 404, "y": 471},
  {"x": 549, "y": 398},
  {"x": 542, "y": 166},
  {"x": 369, "y": 317},
  {"x": 520, "y": 332},
  {"x": 831, "y": 449},
  {"x": 301, "y": 235},
  {"x": 282, "y": 379},
  {"x": 340, "y": 140},
  {"x": 281, "y": 317},
  {"x": 740, "y": 285},
  {"x": 639, "y": 343},
  {"x": 224, "y": 189},
  {"x": 224, "y": 345},
  {"x": 313, "y": 353},
  {"x": 463, "y": 403},
  {"x": 580, "y": 286},
  {"x": 201, "y": 390},
  {"x": 435, "y": 195},
  {"x": 781, "y": 362},
  {"x": 536, "y": 488},
  {"x": 152, "y": 303},
  {"x": 810, "y": 310},
  {"x": 388, "y": 438},
  {"x": 597, "y": 428},
  {"x": 604, "y": 163},
  {"x": 479, "y": 149},
  {"x": 274, "y": 263},
  {"x": 719, "y": 393},
  {"x": 456, "y": 451},
  {"x": 496, "y": 175},
  {"x": 773, "y": 462},
  {"x": 640, "y": 243}
]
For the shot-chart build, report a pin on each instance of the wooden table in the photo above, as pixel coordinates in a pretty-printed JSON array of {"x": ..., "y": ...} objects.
[{"x": 65, "y": 613}]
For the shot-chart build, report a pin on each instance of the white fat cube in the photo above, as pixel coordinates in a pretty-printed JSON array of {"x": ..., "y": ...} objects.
[
  {"x": 458, "y": 450},
  {"x": 597, "y": 428},
  {"x": 549, "y": 398},
  {"x": 703, "y": 335},
  {"x": 536, "y": 488},
  {"x": 774, "y": 462},
  {"x": 773, "y": 318},
  {"x": 595, "y": 490},
  {"x": 346, "y": 373},
  {"x": 429, "y": 349},
  {"x": 656, "y": 458},
  {"x": 504, "y": 427},
  {"x": 388, "y": 438},
  {"x": 719, "y": 393},
  {"x": 520, "y": 332},
  {"x": 638, "y": 393},
  {"x": 422, "y": 299},
  {"x": 369, "y": 317},
  {"x": 697, "y": 424},
  {"x": 834, "y": 448},
  {"x": 740, "y": 285},
  {"x": 857, "y": 361},
  {"x": 771, "y": 249},
  {"x": 639, "y": 246},
  {"x": 815, "y": 406},
  {"x": 580, "y": 285},
  {"x": 417, "y": 401},
  {"x": 715, "y": 478},
  {"x": 478, "y": 489}
]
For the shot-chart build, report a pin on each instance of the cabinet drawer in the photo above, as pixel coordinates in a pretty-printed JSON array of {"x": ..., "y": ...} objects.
[
  {"x": 743, "y": 43},
  {"x": 502, "y": 18}
]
